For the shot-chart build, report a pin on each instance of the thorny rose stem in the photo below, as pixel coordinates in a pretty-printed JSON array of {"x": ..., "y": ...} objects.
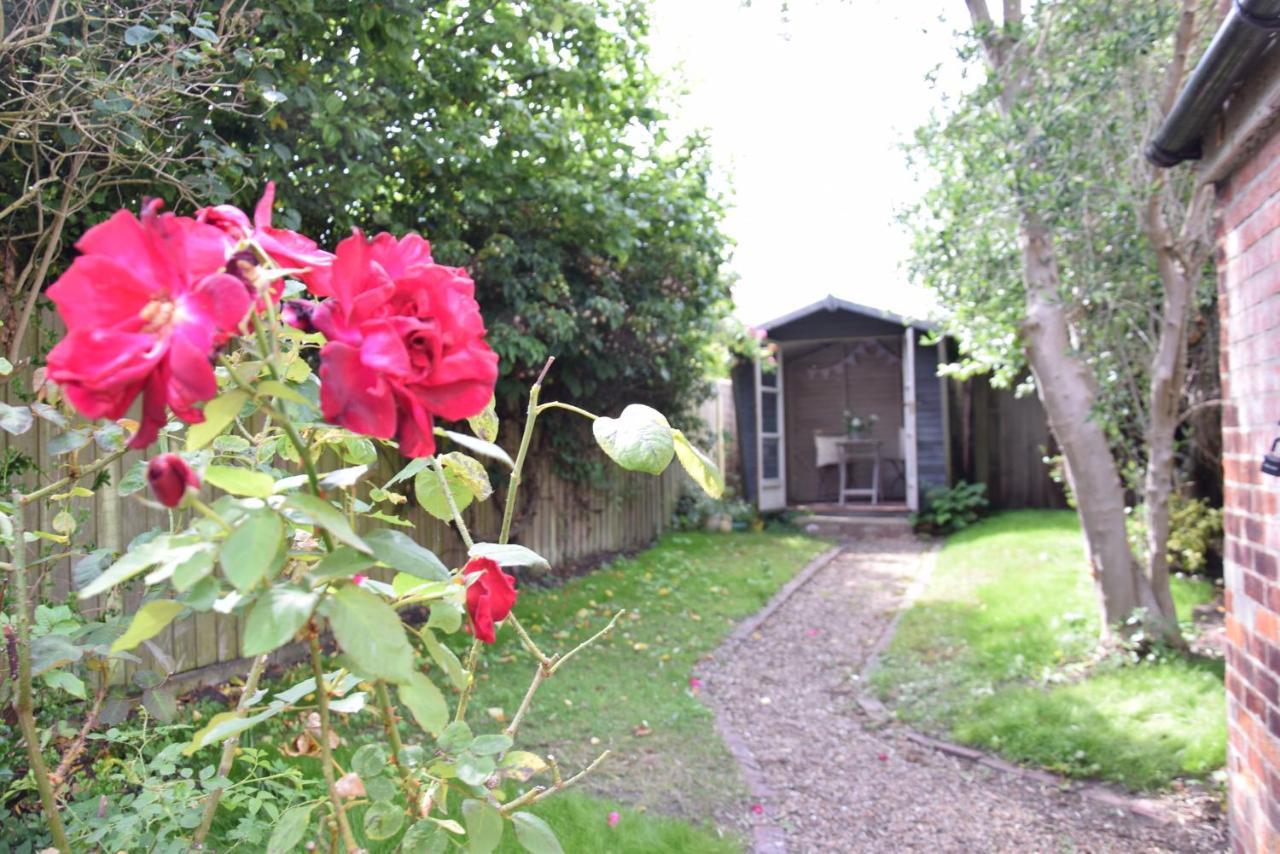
[{"x": 24, "y": 707}]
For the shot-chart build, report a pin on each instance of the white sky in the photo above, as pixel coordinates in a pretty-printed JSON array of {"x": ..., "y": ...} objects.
[{"x": 806, "y": 113}]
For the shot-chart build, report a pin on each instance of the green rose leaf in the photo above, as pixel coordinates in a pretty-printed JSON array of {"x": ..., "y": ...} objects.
[
  {"x": 370, "y": 632},
  {"x": 134, "y": 480},
  {"x": 484, "y": 826},
  {"x": 226, "y": 724},
  {"x": 148, "y": 622},
  {"x": 485, "y": 425},
  {"x": 369, "y": 761},
  {"x": 289, "y": 830},
  {"x": 382, "y": 820},
  {"x": 319, "y": 512},
  {"x": 638, "y": 440},
  {"x": 191, "y": 571},
  {"x": 426, "y": 703},
  {"x": 445, "y": 658},
  {"x": 380, "y": 788},
  {"x": 275, "y": 618},
  {"x": 91, "y": 566},
  {"x": 218, "y": 414},
  {"x": 469, "y": 471},
  {"x": 490, "y": 744},
  {"x": 252, "y": 549},
  {"x": 535, "y": 835},
  {"x": 15, "y": 419},
  {"x": 425, "y": 837},
  {"x": 509, "y": 555},
  {"x": 474, "y": 770},
  {"x": 479, "y": 446},
  {"x": 432, "y": 497},
  {"x": 398, "y": 551},
  {"x": 445, "y": 616},
  {"x": 275, "y": 388},
  {"x": 342, "y": 562},
  {"x": 131, "y": 563},
  {"x": 455, "y": 738},
  {"x": 699, "y": 466},
  {"x": 240, "y": 481},
  {"x": 520, "y": 765}
]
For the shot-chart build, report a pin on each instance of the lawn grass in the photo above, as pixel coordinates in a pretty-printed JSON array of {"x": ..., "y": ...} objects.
[
  {"x": 628, "y": 693},
  {"x": 984, "y": 655}
]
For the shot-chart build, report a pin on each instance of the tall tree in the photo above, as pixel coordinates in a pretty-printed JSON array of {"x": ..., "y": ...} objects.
[{"x": 1029, "y": 238}]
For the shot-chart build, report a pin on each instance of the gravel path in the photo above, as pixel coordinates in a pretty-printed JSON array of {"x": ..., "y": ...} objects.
[{"x": 785, "y": 701}]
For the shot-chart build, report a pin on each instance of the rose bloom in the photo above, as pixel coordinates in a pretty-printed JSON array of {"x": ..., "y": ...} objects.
[
  {"x": 146, "y": 305},
  {"x": 490, "y": 597},
  {"x": 405, "y": 341},
  {"x": 169, "y": 477},
  {"x": 288, "y": 249}
]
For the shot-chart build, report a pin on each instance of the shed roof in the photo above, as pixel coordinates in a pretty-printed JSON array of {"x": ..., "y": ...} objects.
[{"x": 832, "y": 303}]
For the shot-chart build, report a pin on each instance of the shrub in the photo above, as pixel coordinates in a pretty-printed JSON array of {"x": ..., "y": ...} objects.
[
  {"x": 1195, "y": 535},
  {"x": 950, "y": 509}
]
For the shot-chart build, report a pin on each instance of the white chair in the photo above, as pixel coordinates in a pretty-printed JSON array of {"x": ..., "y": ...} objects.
[{"x": 860, "y": 450}]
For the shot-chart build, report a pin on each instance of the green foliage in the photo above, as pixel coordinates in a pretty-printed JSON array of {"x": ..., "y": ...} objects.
[
  {"x": 1195, "y": 534},
  {"x": 950, "y": 509},
  {"x": 717, "y": 578},
  {"x": 1000, "y": 652},
  {"x": 527, "y": 142},
  {"x": 1070, "y": 152}
]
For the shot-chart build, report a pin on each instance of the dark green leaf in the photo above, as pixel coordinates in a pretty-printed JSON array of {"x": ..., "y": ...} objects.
[
  {"x": 398, "y": 551},
  {"x": 319, "y": 512},
  {"x": 370, "y": 632},
  {"x": 382, "y": 820},
  {"x": 425, "y": 701},
  {"x": 290, "y": 829},
  {"x": 535, "y": 835},
  {"x": 484, "y": 826},
  {"x": 252, "y": 549},
  {"x": 138, "y": 34},
  {"x": 275, "y": 618}
]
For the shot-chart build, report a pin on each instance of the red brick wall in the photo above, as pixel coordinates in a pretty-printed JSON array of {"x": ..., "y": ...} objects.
[{"x": 1249, "y": 305}]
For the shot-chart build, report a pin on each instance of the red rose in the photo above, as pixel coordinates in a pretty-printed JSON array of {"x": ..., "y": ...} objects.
[
  {"x": 287, "y": 248},
  {"x": 405, "y": 342},
  {"x": 146, "y": 305},
  {"x": 490, "y": 597},
  {"x": 169, "y": 477}
]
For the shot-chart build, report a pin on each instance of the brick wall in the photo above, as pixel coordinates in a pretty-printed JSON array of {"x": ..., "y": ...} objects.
[{"x": 1249, "y": 305}]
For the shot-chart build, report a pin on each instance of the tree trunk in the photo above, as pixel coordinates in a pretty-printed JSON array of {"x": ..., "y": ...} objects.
[
  {"x": 1168, "y": 374},
  {"x": 1067, "y": 389}
]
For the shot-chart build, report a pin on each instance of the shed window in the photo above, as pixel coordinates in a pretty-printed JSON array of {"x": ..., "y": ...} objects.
[{"x": 769, "y": 459}]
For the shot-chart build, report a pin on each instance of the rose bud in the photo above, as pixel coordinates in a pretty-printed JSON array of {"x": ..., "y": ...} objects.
[
  {"x": 490, "y": 597},
  {"x": 170, "y": 477}
]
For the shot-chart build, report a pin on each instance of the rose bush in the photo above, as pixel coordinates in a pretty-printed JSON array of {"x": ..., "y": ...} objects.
[{"x": 186, "y": 312}]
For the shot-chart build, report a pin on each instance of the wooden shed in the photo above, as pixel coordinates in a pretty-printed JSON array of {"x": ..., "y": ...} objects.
[{"x": 835, "y": 360}]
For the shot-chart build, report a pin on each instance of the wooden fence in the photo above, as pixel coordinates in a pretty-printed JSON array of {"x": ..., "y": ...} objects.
[
  {"x": 564, "y": 522},
  {"x": 1001, "y": 440}
]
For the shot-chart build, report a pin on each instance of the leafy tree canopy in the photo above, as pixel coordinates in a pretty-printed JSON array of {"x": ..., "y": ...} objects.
[{"x": 526, "y": 142}]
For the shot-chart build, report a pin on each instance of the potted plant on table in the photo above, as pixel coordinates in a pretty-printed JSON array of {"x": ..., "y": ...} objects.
[{"x": 857, "y": 425}]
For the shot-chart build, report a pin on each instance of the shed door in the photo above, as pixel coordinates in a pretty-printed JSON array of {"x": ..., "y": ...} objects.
[
  {"x": 772, "y": 486},
  {"x": 909, "y": 428}
]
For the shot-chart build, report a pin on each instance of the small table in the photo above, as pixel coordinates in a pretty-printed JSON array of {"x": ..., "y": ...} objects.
[{"x": 852, "y": 451}]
